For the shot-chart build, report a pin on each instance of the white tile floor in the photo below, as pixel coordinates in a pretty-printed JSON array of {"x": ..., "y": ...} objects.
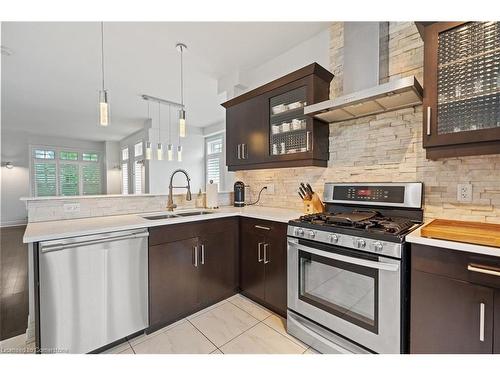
[{"x": 233, "y": 326}]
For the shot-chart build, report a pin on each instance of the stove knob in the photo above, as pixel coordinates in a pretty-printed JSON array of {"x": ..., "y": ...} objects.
[
  {"x": 312, "y": 234},
  {"x": 299, "y": 232},
  {"x": 333, "y": 238},
  {"x": 378, "y": 246},
  {"x": 361, "y": 243}
]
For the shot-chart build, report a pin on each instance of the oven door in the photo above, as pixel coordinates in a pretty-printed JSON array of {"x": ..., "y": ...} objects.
[{"x": 356, "y": 295}]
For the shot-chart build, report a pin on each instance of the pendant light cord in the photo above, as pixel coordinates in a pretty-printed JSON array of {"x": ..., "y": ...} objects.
[
  {"x": 169, "y": 128},
  {"x": 159, "y": 122},
  {"x": 182, "y": 79},
  {"x": 102, "y": 53}
]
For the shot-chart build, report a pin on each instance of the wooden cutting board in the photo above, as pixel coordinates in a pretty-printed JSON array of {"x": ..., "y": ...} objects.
[{"x": 463, "y": 231}]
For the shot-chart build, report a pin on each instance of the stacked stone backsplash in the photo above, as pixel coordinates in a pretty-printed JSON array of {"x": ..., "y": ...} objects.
[
  {"x": 53, "y": 209},
  {"x": 388, "y": 148}
]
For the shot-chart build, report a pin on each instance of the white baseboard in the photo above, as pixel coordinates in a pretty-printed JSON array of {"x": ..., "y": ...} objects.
[{"x": 13, "y": 223}]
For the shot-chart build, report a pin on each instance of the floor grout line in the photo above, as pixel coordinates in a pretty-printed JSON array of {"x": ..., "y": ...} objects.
[
  {"x": 216, "y": 347},
  {"x": 235, "y": 337},
  {"x": 260, "y": 320},
  {"x": 288, "y": 338}
]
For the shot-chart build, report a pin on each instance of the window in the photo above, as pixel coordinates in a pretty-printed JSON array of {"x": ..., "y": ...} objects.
[
  {"x": 214, "y": 157},
  {"x": 68, "y": 155},
  {"x": 65, "y": 172},
  {"x": 90, "y": 156},
  {"x": 44, "y": 154},
  {"x": 125, "y": 170},
  {"x": 138, "y": 169}
]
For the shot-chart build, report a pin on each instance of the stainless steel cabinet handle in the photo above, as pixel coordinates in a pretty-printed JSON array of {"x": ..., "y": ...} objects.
[
  {"x": 266, "y": 260},
  {"x": 261, "y": 227},
  {"x": 243, "y": 151},
  {"x": 429, "y": 120},
  {"x": 259, "y": 257},
  {"x": 481, "y": 321},
  {"x": 67, "y": 245},
  {"x": 308, "y": 142},
  {"x": 475, "y": 268},
  {"x": 202, "y": 254},
  {"x": 195, "y": 251},
  {"x": 347, "y": 259},
  {"x": 239, "y": 151}
]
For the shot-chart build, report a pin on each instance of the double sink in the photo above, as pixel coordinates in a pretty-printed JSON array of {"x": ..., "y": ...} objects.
[{"x": 179, "y": 214}]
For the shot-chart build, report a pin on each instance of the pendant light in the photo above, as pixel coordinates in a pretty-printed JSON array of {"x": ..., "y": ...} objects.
[
  {"x": 159, "y": 150},
  {"x": 179, "y": 153},
  {"x": 170, "y": 146},
  {"x": 149, "y": 151},
  {"x": 182, "y": 113},
  {"x": 103, "y": 93}
]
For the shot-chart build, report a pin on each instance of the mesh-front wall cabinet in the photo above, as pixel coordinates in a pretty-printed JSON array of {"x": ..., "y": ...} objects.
[{"x": 462, "y": 89}]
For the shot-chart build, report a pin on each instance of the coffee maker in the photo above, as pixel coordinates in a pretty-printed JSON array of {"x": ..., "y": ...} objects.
[{"x": 239, "y": 194}]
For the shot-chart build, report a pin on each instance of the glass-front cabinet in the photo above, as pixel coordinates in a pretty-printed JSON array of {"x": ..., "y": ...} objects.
[
  {"x": 267, "y": 127},
  {"x": 288, "y": 124},
  {"x": 462, "y": 88}
]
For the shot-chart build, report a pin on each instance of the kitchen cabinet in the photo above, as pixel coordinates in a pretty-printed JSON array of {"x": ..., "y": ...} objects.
[
  {"x": 462, "y": 89},
  {"x": 263, "y": 263},
  {"x": 267, "y": 128},
  {"x": 454, "y": 304},
  {"x": 191, "y": 266}
]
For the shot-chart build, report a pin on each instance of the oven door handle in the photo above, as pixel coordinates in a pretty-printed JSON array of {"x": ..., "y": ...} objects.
[{"x": 358, "y": 261}]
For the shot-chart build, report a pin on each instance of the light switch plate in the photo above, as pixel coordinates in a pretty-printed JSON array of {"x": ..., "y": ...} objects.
[
  {"x": 71, "y": 207},
  {"x": 270, "y": 188},
  {"x": 464, "y": 192}
]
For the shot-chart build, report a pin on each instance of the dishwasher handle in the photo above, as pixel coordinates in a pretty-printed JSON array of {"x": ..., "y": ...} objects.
[{"x": 46, "y": 247}]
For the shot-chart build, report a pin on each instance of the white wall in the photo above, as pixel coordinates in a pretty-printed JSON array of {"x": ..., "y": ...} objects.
[
  {"x": 15, "y": 182},
  {"x": 113, "y": 172},
  {"x": 315, "y": 49}
]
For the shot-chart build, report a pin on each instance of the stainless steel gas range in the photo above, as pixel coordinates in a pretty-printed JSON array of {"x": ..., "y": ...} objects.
[{"x": 348, "y": 269}]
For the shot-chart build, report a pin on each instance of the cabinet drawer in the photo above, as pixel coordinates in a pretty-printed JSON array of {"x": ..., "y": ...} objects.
[
  {"x": 456, "y": 264},
  {"x": 177, "y": 232},
  {"x": 265, "y": 227}
]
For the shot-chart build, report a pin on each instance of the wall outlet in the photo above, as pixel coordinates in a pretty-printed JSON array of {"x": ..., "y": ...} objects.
[
  {"x": 71, "y": 207},
  {"x": 270, "y": 188},
  {"x": 464, "y": 192}
]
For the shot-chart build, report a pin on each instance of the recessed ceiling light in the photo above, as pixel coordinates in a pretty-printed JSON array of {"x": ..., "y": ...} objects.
[{"x": 6, "y": 51}]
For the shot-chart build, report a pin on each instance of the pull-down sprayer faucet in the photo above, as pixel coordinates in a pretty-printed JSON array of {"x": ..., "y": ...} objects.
[{"x": 170, "y": 202}]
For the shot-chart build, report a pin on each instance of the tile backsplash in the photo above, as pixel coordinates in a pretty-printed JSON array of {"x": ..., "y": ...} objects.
[
  {"x": 388, "y": 147},
  {"x": 53, "y": 209}
]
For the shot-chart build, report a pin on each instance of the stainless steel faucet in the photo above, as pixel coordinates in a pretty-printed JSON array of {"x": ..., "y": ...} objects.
[{"x": 170, "y": 202}]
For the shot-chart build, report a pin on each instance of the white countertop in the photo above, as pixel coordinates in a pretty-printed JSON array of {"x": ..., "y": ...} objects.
[
  {"x": 51, "y": 230},
  {"x": 416, "y": 237}
]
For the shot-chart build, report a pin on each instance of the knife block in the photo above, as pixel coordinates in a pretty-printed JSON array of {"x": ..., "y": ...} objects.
[{"x": 314, "y": 205}]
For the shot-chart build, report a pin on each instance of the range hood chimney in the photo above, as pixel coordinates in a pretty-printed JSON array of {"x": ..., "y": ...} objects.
[{"x": 366, "y": 86}]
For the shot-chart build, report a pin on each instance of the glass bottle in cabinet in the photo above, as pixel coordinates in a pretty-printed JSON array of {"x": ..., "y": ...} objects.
[{"x": 288, "y": 124}]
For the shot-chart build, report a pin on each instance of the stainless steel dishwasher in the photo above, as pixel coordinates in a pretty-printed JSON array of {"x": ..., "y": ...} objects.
[{"x": 93, "y": 290}]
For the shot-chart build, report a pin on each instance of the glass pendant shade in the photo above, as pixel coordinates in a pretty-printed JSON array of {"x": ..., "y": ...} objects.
[
  {"x": 160, "y": 151},
  {"x": 170, "y": 152},
  {"x": 182, "y": 123},
  {"x": 149, "y": 152},
  {"x": 179, "y": 153},
  {"x": 103, "y": 108}
]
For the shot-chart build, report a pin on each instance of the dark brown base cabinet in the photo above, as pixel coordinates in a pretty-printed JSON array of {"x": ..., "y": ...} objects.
[
  {"x": 263, "y": 263},
  {"x": 191, "y": 266},
  {"x": 455, "y": 308}
]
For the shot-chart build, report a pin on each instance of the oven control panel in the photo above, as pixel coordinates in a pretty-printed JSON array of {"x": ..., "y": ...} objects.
[
  {"x": 382, "y": 194},
  {"x": 374, "y": 246},
  {"x": 404, "y": 194}
]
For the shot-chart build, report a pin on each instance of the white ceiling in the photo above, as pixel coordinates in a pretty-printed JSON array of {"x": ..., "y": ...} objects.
[{"x": 50, "y": 83}]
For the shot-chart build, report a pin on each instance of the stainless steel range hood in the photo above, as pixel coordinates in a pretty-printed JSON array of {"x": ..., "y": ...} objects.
[{"x": 366, "y": 90}]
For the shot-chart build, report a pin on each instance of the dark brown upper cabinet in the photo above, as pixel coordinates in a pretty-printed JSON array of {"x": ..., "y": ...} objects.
[
  {"x": 462, "y": 89},
  {"x": 267, "y": 128}
]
